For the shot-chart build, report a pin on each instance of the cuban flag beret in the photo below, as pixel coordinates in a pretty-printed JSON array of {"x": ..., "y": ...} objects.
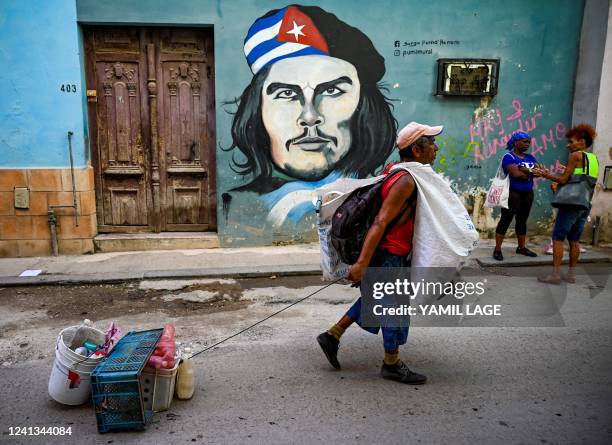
[{"x": 295, "y": 31}]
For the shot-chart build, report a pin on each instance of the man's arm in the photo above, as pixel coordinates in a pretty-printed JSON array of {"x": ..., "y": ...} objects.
[{"x": 391, "y": 207}]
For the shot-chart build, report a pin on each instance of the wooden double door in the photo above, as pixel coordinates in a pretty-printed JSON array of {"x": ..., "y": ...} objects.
[{"x": 151, "y": 114}]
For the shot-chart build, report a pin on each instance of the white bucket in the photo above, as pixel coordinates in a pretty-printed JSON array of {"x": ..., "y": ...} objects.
[{"x": 67, "y": 360}]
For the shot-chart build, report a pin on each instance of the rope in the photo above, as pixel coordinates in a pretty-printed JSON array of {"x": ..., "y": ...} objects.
[
  {"x": 267, "y": 318},
  {"x": 248, "y": 327}
]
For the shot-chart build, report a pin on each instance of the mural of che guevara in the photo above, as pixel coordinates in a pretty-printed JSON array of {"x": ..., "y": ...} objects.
[{"x": 313, "y": 112}]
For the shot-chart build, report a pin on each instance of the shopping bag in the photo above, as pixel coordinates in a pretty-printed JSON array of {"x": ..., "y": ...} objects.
[
  {"x": 497, "y": 196},
  {"x": 329, "y": 198},
  {"x": 578, "y": 191}
]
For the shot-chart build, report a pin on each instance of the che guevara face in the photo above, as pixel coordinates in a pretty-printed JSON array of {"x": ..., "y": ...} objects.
[{"x": 307, "y": 105}]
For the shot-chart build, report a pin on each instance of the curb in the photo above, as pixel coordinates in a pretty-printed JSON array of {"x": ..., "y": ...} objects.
[
  {"x": 538, "y": 262},
  {"x": 113, "y": 278}
]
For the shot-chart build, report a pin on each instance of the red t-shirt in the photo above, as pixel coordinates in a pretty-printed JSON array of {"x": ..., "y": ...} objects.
[{"x": 398, "y": 240}]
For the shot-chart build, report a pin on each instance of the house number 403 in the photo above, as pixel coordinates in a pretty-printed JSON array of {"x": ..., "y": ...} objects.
[{"x": 68, "y": 88}]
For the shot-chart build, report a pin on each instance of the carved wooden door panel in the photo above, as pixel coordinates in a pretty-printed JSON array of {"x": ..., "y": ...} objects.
[
  {"x": 152, "y": 127},
  {"x": 119, "y": 127},
  {"x": 186, "y": 128}
]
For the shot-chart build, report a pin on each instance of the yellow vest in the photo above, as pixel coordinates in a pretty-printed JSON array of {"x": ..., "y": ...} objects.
[{"x": 593, "y": 166}]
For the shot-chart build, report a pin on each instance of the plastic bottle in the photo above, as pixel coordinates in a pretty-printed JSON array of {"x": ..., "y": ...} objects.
[
  {"x": 82, "y": 350},
  {"x": 163, "y": 356},
  {"x": 185, "y": 380}
]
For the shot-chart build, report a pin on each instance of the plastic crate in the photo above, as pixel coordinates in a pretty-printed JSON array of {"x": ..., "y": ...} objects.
[
  {"x": 115, "y": 383},
  {"x": 158, "y": 387}
]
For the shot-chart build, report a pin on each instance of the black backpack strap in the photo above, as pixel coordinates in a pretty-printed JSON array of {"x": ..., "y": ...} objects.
[{"x": 407, "y": 203}]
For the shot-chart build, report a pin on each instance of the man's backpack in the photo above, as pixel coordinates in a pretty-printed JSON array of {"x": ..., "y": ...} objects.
[{"x": 354, "y": 217}]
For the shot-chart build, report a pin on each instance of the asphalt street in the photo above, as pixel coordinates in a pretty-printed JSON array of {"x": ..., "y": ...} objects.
[{"x": 538, "y": 374}]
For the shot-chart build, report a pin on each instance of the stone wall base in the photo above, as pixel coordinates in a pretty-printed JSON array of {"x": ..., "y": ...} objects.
[{"x": 26, "y": 232}]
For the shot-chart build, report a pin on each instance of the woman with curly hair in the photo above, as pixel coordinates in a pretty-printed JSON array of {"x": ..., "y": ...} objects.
[{"x": 572, "y": 217}]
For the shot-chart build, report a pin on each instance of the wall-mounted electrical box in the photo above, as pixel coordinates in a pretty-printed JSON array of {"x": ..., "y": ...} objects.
[
  {"x": 467, "y": 77},
  {"x": 22, "y": 198},
  {"x": 607, "y": 179}
]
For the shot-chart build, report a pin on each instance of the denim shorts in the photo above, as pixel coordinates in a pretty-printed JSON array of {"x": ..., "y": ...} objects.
[{"x": 569, "y": 223}]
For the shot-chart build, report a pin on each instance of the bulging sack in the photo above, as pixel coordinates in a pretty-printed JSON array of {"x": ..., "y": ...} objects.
[
  {"x": 329, "y": 198},
  {"x": 444, "y": 235}
]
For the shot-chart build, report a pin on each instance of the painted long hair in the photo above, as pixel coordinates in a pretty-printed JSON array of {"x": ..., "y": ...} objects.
[{"x": 373, "y": 127}]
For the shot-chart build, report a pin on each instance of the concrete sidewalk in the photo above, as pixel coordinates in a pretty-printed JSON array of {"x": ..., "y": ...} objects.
[
  {"x": 138, "y": 265},
  {"x": 235, "y": 262}
]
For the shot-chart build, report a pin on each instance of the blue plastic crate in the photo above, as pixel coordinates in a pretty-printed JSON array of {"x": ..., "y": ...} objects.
[{"x": 115, "y": 383}]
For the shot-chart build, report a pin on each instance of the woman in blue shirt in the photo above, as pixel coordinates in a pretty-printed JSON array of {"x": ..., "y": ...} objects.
[{"x": 518, "y": 164}]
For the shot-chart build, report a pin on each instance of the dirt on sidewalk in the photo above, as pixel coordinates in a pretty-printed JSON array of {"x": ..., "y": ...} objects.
[
  {"x": 53, "y": 305},
  {"x": 31, "y": 317}
]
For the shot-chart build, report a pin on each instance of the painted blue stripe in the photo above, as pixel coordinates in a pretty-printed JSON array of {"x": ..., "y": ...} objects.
[
  {"x": 270, "y": 199},
  {"x": 263, "y": 48},
  {"x": 268, "y": 22},
  {"x": 299, "y": 211},
  {"x": 311, "y": 50}
]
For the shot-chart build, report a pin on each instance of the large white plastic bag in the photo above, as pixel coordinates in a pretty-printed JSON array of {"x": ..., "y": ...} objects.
[
  {"x": 444, "y": 235},
  {"x": 329, "y": 198},
  {"x": 497, "y": 196}
]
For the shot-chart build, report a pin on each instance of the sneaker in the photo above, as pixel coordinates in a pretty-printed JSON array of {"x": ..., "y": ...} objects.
[
  {"x": 525, "y": 251},
  {"x": 549, "y": 249},
  {"x": 330, "y": 345},
  {"x": 497, "y": 254},
  {"x": 400, "y": 373}
]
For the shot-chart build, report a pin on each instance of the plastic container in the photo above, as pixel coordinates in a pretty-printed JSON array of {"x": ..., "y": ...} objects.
[
  {"x": 185, "y": 379},
  {"x": 115, "y": 383},
  {"x": 164, "y": 355},
  {"x": 69, "y": 382},
  {"x": 158, "y": 387}
]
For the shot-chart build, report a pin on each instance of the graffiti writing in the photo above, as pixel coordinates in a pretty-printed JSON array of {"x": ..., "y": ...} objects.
[
  {"x": 454, "y": 155},
  {"x": 556, "y": 169},
  {"x": 398, "y": 44},
  {"x": 490, "y": 131}
]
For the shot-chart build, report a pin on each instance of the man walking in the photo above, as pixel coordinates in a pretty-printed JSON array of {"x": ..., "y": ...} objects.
[{"x": 389, "y": 247}]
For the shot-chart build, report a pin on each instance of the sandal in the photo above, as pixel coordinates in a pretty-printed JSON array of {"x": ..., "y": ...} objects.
[
  {"x": 570, "y": 277},
  {"x": 550, "y": 279}
]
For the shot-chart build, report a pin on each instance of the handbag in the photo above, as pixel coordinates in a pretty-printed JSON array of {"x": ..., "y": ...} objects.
[
  {"x": 578, "y": 191},
  {"x": 498, "y": 193}
]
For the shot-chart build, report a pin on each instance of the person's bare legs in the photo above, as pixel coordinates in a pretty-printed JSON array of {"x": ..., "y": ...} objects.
[
  {"x": 574, "y": 254},
  {"x": 555, "y": 276},
  {"x": 499, "y": 239},
  {"x": 345, "y": 322}
]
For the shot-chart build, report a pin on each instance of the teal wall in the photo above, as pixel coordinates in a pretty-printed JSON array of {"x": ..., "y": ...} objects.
[
  {"x": 537, "y": 43},
  {"x": 39, "y": 52}
]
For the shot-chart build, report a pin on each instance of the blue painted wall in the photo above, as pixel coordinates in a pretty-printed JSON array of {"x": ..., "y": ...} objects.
[
  {"x": 537, "y": 43},
  {"x": 39, "y": 52}
]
